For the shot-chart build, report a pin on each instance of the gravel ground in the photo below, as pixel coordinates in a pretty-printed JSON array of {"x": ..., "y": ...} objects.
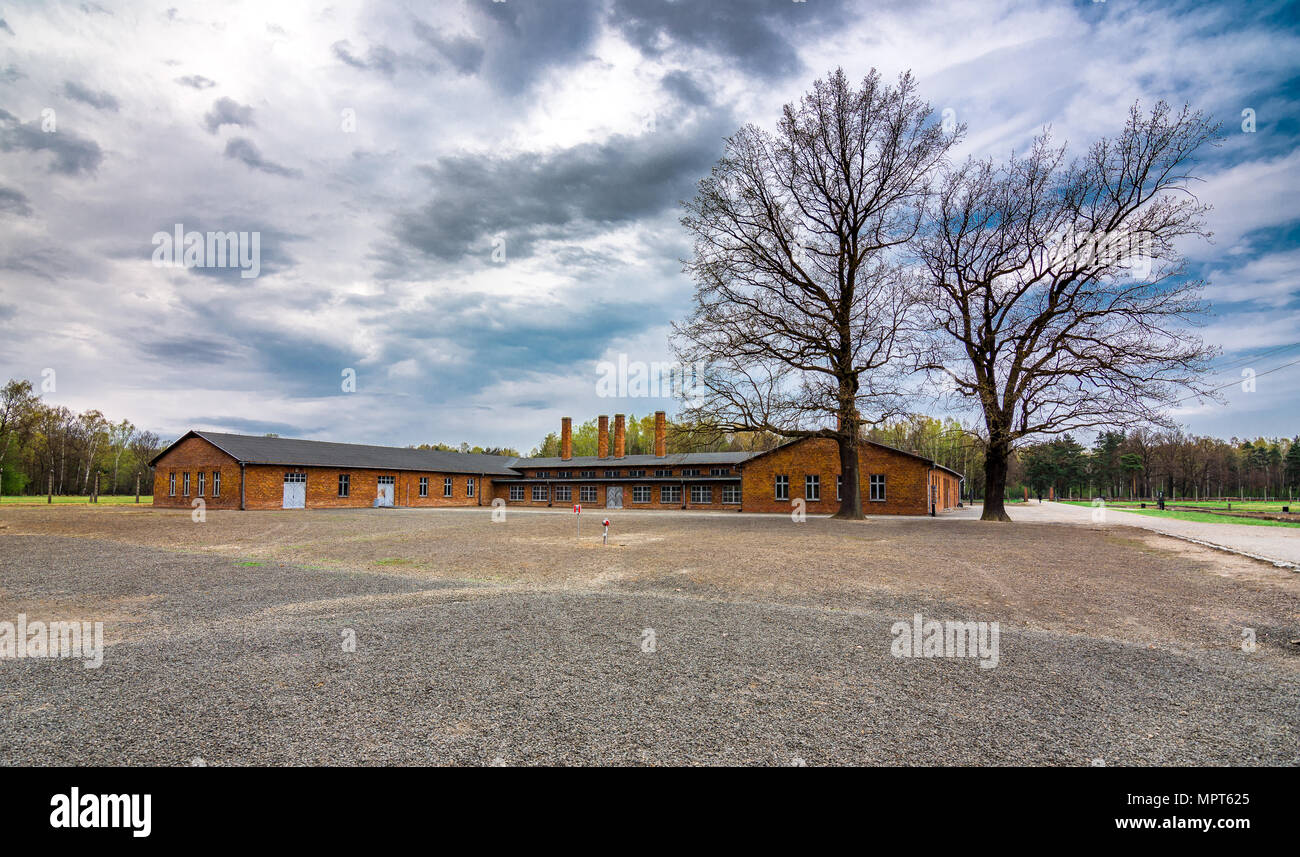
[{"x": 518, "y": 645}]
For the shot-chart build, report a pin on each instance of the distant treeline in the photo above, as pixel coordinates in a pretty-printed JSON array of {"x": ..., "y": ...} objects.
[{"x": 41, "y": 443}]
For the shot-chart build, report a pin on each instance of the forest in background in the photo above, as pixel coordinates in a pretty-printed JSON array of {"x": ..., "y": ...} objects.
[{"x": 43, "y": 445}]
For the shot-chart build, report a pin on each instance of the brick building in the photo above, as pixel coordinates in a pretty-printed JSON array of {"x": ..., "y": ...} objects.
[{"x": 231, "y": 471}]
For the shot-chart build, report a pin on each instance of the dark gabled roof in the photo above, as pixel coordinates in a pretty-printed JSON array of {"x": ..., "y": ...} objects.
[
  {"x": 931, "y": 462},
  {"x": 649, "y": 461},
  {"x": 249, "y": 449}
]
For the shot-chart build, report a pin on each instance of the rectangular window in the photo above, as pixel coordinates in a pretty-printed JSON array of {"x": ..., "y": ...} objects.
[
  {"x": 446, "y": 487},
  {"x": 424, "y": 486},
  {"x": 345, "y": 484},
  {"x": 782, "y": 488},
  {"x": 877, "y": 482},
  {"x": 469, "y": 487},
  {"x": 542, "y": 474},
  {"x": 216, "y": 483},
  {"x": 663, "y": 474},
  {"x": 720, "y": 471},
  {"x": 670, "y": 494},
  {"x": 690, "y": 471},
  {"x": 516, "y": 492},
  {"x": 564, "y": 474},
  {"x": 185, "y": 483},
  {"x": 701, "y": 493},
  {"x": 611, "y": 474},
  {"x": 564, "y": 493},
  {"x": 383, "y": 480},
  {"x": 640, "y": 493},
  {"x": 731, "y": 494},
  {"x": 171, "y": 484},
  {"x": 636, "y": 474},
  {"x": 539, "y": 494},
  {"x": 587, "y": 494},
  {"x": 812, "y": 488},
  {"x": 588, "y": 474},
  {"x": 203, "y": 479}
]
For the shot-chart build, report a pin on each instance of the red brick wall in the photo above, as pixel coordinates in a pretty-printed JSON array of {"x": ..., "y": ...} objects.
[
  {"x": 907, "y": 479},
  {"x": 190, "y": 456},
  {"x": 503, "y": 491}
]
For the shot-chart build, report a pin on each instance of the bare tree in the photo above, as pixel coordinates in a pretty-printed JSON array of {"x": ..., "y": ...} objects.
[
  {"x": 801, "y": 300},
  {"x": 1056, "y": 293}
]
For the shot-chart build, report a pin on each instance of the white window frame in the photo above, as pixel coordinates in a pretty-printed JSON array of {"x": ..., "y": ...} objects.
[
  {"x": 702, "y": 494},
  {"x": 670, "y": 493},
  {"x": 564, "y": 493},
  {"x": 216, "y": 483},
  {"x": 781, "y": 487},
  {"x": 517, "y": 493},
  {"x": 588, "y": 494},
  {"x": 201, "y": 484},
  {"x": 171, "y": 484},
  {"x": 641, "y": 493},
  {"x": 540, "y": 494},
  {"x": 345, "y": 484},
  {"x": 185, "y": 484},
  {"x": 447, "y": 486},
  {"x": 812, "y": 487},
  {"x": 877, "y": 480},
  {"x": 731, "y": 494},
  {"x": 469, "y": 487},
  {"x": 424, "y": 486}
]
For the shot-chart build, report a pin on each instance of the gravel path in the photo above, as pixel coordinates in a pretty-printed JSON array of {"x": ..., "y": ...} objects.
[
  {"x": 233, "y": 664},
  {"x": 1275, "y": 543}
]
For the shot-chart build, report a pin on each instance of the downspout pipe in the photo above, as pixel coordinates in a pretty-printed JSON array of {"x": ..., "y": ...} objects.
[{"x": 242, "y": 505}]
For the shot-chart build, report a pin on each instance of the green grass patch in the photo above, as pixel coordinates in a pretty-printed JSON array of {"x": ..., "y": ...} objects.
[
  {"x": 250, "y": 563},
  {"x": 76, "y": 500},
  {"x": 395, "y": 560},
  {"x": 1211, "y": 518}
]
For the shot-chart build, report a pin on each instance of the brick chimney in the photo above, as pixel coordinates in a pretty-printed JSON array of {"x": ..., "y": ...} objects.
[
  {"x": 602, "y": 436},
  {"x": 661, "y": 434},
  {"x": 566, "y": 438},
  {"x": 620, "y": 436}
]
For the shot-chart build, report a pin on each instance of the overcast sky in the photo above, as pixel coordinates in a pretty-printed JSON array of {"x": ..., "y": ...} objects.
[{"x": 383, "y": 151}]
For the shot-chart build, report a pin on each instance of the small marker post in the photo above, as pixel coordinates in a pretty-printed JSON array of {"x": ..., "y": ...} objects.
[
  {"x": 577, "y": 516},
  {"x": 605, "y": 538}
]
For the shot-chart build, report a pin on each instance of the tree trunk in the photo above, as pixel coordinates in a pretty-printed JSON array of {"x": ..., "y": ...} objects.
[
  {"x": 851, "y": 480},
  {"x": 995, "y": 482}
]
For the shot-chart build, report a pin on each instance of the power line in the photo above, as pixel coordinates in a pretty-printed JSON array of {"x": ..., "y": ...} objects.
[{"x": 1235, "y": 383}]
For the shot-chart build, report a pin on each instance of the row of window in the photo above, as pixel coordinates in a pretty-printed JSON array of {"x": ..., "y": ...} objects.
[
  {"x": 448, "y": 484},
  {"x": 812, "y": 487},
  {"x": 630, "y": 474},
  {"x": 200, "y": 483},
  {"x": 700, "y": 494}
]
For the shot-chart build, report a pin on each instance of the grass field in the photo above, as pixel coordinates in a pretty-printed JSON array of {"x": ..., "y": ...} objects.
[
  {"x": 1206, "y": 517},
  {"x": 75, "y": 500}
]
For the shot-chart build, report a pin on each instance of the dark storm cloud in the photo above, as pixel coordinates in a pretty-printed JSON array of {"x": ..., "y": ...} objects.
[
  {"x": 227, "y": 111},
  {"x": 524, "y": 39},
  {"x": 379, "y": 58},
  {"x": 755, "y": 33},
  {"x": 14, "y": 202},
  {"x": 99, "y": 100},
  {"x": 463, "y": 52},
  {"x": 243, "y": 149},
  {"x": 239, "y": 425},
  {"x": 684, "y": 88},
  {"x": 196, "y": 81},
  {"x": 73, "y": 154},
  {"x": 190, "y": 349},
  {"x": 532, "y": 196}
]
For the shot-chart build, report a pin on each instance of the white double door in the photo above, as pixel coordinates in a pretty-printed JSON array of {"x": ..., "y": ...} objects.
[
  {"x": 386, "y": 488},
  {"x": 295, "y": 490}
]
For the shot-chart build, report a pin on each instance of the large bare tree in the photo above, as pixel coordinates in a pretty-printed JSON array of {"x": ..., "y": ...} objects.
[
  {"x": 802, "y": 296},
  {"x": 1056, "y": 291}
]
